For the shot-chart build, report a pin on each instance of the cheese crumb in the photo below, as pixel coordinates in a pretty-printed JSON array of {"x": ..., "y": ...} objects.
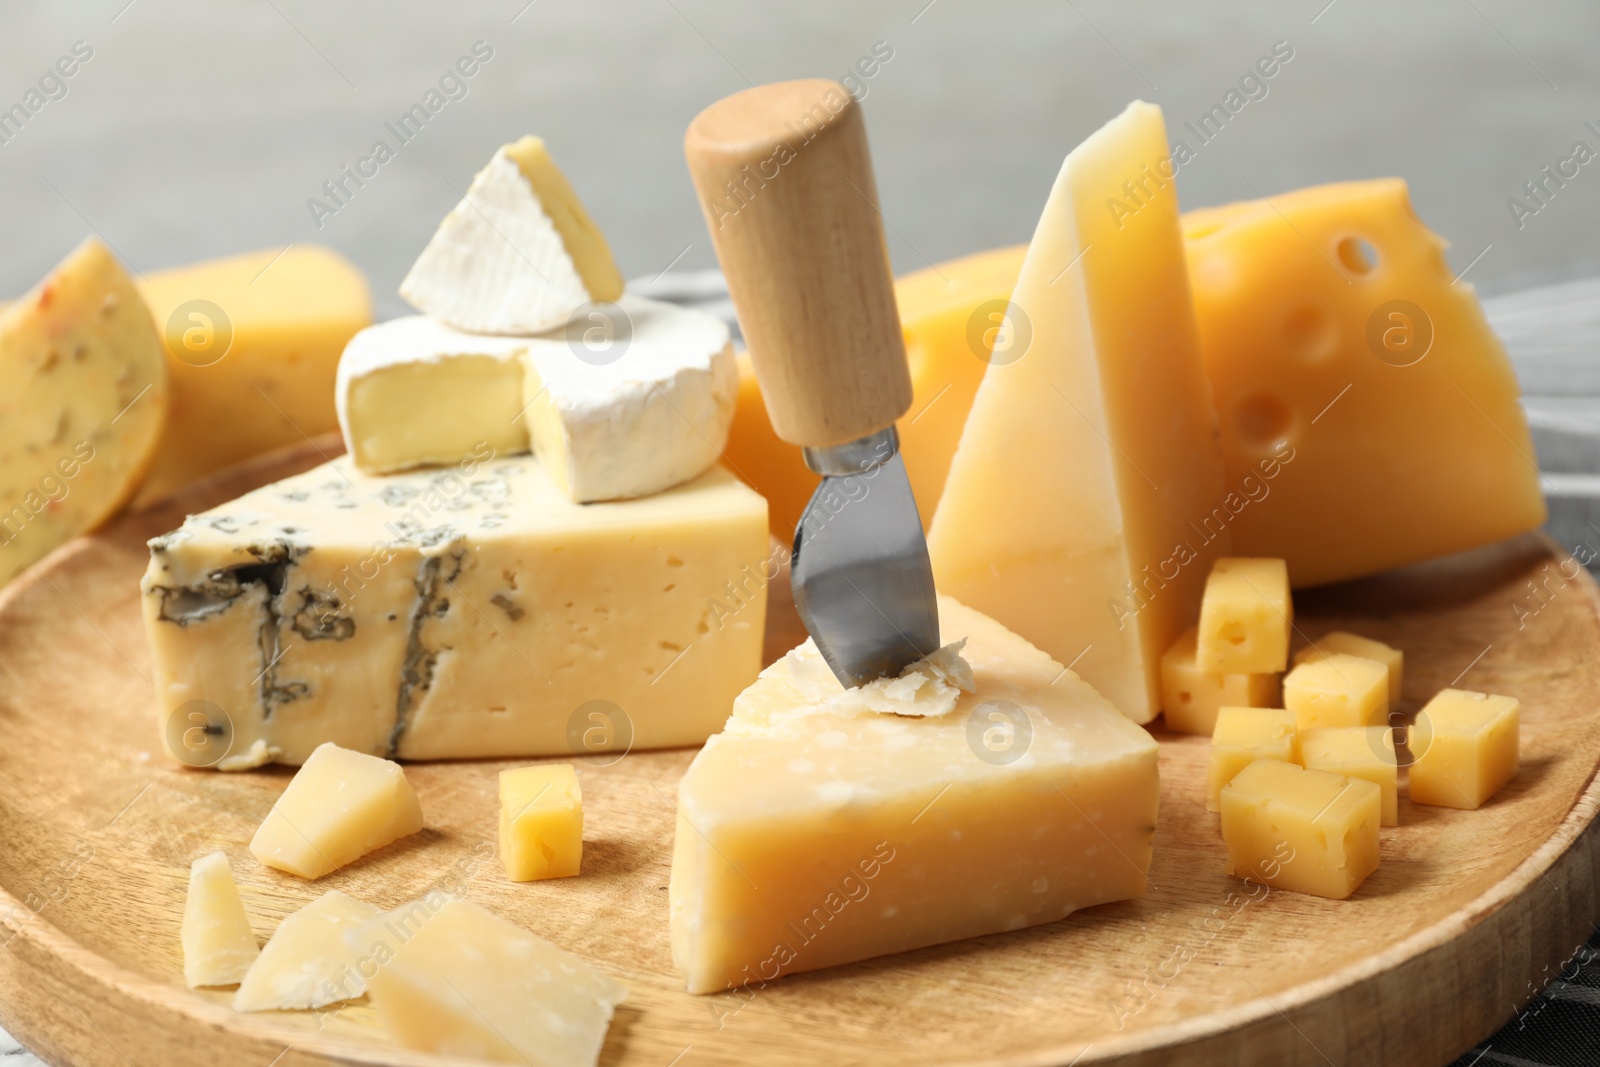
[{"x": 927, "y": 689}]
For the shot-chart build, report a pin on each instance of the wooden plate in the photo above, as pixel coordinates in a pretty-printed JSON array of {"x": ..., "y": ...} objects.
[{"x": 1468, "y": 915}]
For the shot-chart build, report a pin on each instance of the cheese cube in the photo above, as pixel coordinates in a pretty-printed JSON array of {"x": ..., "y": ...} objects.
[
  {"x": 824, "y": 826},
  {"x": 630, "y": 407},
  {"x": 1355, "y": 645},
  {"x": 473, "y": 611},
  {"x": 1464, "y": 747},
  {"x": 453, "y": 977},
  {"x": 1358, "y": 379},
  {"x": 1086, "y": 500},
  {"x": 338, "y": 807},
  {"x": 1309, "y": 831},
  {"x": 412, "y": 392},
  {"x": 218, "y": 944},
  {"x": 1191, "y": 697},
  {"x": 1244, "y": 735},
  {"x": 541, "y": 822},
  {"x": 518, "y": 255},
  {"x": 81, "y": 408},
  {"x": 1338, "y": 690},
  {"x": 1365, "y": 752},
  {"x": 307, "y": 962},
  {"x": 252, "y": 342},
  {"x": 1245, "y": 617}
]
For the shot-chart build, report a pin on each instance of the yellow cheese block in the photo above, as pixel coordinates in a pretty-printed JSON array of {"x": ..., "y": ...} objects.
[
  {"x": 1464, "y": 747},
  {"x": 1191, "y": 697},
  {"x": 1331, "y": 327},
  {"x": 218, "y": 944},
  {"x": 952, "y": 316},
  {"x": 83, "y": 392},
  {"x": 1245, "y": 617},
  {"x": 1085, "y": 502},
  {"x": 822, "y": 827},
  {"x": 1338, "y": 690},
  {"x": 338, "y": 807},
  {"x": 307, "y": 963},
  {"x": 1309, "y": 831},
  {"x": 1244, "y": 735},
  {"x": 252, "y": 345},
  {"x": 1355, "y": 645},
  {"x": 450, "y": 976},
  {"x": 1365, "y": 752},
  {"x": 541, "y": 822}
]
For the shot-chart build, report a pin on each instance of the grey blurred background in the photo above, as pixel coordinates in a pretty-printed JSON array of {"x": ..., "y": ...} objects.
[{"x": 202, "y": 128}]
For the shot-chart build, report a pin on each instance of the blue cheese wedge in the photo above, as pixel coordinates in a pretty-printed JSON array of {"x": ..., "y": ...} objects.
[{"x": 438, "y": 614}]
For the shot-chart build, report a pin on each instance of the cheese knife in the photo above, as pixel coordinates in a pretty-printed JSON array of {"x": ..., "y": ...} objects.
[{"x": 785, "y": 180}]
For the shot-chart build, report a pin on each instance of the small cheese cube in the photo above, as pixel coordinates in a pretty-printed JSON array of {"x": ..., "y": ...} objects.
[
  {"x": 308, "y": 962},
  {"x": 218, "y": 945},
  {"x": 541, "y": 822},
  {"x": 458, "y": 979},
  {"x": 1190, "y": 696},
  {"x": 1365, "y": 752},
  {"x": 1309, "y": 831},
  {"x": 1355, "y": 645},
  {"x": 338, "y": 807},
  {"x": 1245, "y": 617},
  {"x": 1464, "y": 748},
  {"x": 1338, "y": 690},
  {"x": 1244, "y": 735}
]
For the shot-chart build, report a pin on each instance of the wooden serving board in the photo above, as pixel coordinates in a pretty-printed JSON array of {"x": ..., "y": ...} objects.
[{"x": 1468, "y": 915}]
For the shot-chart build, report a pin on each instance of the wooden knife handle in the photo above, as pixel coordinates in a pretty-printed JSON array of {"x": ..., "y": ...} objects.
[{"x": 785, "y": 180}]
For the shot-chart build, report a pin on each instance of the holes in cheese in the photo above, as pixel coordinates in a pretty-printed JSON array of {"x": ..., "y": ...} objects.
[
  {"x": 1191, "y": 697},
  {"x": 1088, "y": 471},
  {"x": 518, "y": 255},
  {"x": 252, "y": 343},
  {"x": 1338, "y": 690},
  {"x": 218, "y": 944},
  {"x": 451, "y": 976},
  {"x": 1245, "y": 617},
  {"x": 818, "y": 829},
  {"x": 338, "y": 807},
  {"x": 307, "y": 963},
  {"x": 84, "y": 396},
  {"x": 541, "y": 822}
]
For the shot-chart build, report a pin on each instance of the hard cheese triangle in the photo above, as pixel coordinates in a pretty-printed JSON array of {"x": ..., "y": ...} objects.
[
  {"x": 518, "y": 255},
  {"x": 218, "y": 944},
  {"x": 822, "y": 827},
  {"x": 1078, "y": 507},
  {"x": 1369, "y": 415},
  {"x": 308, "y": 963},
  {"x": 82, "y": 402}
]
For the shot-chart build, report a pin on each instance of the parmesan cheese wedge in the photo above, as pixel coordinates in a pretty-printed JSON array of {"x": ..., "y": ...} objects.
[
  {"x": 414, "y": 392},
  {"x": 81, "y": 407},
  {"x": 218, "y": 944},
  {"x": 447, "y": 975},
  {"x": 308, "y": 963},
  {"x": 338, "y": 807},
  {"x": 633, "y": 402},
  {"x": 518, "y": 255}
]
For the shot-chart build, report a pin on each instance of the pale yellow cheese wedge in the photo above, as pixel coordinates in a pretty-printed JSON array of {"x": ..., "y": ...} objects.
[
  {"x": 252, "y": 344},
  {"x": 1309, "y": 831},
  {"x": 541, "y": 822},
  {"x": 83, "y": 393},
  {"x": 308, "y": 963},
  {"x": 822, "y": 827},
  {"x": 450, "y": 976},
  {"x": 338, "y": 807},
  {"x": 1085, "y": 501},
  {"x": 218, "y": 944},
  {"x": 1349, "y": 644}
]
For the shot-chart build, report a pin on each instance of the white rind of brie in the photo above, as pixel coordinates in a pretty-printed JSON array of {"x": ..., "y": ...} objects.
[
  {"x": 655, "y": 417},
  {"x": 497, "y": 264}
]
